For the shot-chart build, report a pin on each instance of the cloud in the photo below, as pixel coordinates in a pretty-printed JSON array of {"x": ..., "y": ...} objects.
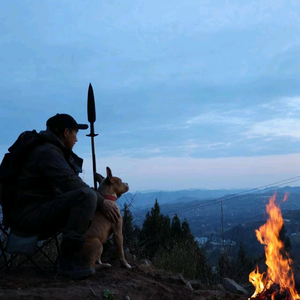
[
  {"x": 274, "y": 119},
  {"x": 284, "y": 106},
  {"x": 180, "y": 149},
  {"x": 218, "y": 118},
  {"x": 281, "y": 120},
  {"x": 277, "y": 128},
  {"x": 292, "y": 105}
]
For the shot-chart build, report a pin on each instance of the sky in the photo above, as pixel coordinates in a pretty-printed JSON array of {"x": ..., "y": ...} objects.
[{"x": 189, "y": 94}]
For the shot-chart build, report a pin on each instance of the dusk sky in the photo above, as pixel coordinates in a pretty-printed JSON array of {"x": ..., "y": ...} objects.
[{"x": 189, "y": 94}]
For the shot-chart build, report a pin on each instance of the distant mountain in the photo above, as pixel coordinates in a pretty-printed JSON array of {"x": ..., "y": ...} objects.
[
  {"x": 288, "y": 189},
  {"x": 204, "y": 214},
  {"x": 243, "y": 212},
  {"x": 147, "y": 199},
  {"x": 245, "y": 233}
]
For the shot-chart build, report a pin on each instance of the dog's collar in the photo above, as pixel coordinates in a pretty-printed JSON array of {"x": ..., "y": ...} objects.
[{"x": 110, "y": 197}]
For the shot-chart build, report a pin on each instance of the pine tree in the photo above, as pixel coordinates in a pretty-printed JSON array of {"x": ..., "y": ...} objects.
[
  {"x": 185, "y": 227},
  {"x": 186, "y": 231},
  {"x": 155, "y": 210},
  {"x": 223, "y": 265},
  {"x": 242, "y": 259},
  {"x": 128, "y": 231},
  {"x": 176, "y": 227},
  {"x": 155, "y": 231},
  {"x": 165, "y": 235},
  {"x": 171, "y": 246},
  {"x": 243, "y": 265}
]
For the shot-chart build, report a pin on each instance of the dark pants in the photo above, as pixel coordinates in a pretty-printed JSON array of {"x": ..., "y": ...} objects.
[{"x": 71, "y": 212}]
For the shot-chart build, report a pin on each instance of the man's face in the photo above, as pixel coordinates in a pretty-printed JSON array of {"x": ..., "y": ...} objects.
[{"x": 70, "y": 138}]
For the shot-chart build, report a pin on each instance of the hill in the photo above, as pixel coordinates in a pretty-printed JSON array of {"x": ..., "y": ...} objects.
[
  {"x": 245, "y": 233},
  {"x": 204, "y": 215},
  {"x": 146, "y": 199},
  {"x": 142, "y": 282}
]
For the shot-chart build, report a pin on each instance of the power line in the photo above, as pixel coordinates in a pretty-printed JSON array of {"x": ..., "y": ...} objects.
[{"x": 230, "y": 197}]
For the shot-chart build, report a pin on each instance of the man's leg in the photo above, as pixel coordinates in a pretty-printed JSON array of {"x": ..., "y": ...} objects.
[{"x": 70, "y": 212}]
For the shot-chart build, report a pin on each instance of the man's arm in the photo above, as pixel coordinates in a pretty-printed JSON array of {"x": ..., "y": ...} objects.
[{"x": 55, "y": 168}]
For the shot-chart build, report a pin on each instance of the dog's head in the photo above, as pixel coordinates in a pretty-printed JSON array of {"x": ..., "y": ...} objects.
[{"x": 111, "y": 185}]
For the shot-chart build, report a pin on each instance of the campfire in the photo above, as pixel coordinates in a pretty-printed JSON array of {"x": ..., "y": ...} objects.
[{"x": 277, "y": 283}]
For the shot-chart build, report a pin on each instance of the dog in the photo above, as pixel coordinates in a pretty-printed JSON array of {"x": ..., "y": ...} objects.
[{"x": 101, "y": 228}]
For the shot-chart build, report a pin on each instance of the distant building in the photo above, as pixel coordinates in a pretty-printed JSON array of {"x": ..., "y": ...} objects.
[{"x": 201, "y": 240}]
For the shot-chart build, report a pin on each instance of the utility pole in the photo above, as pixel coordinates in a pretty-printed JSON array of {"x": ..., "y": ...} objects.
[{"x": 222, "y": 223}]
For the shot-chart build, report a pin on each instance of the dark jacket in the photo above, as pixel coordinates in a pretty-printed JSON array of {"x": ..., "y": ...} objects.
[{"x": 50, "y": 170}]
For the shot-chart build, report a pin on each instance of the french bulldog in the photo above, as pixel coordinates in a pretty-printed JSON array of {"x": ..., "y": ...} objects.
[{"x": 111, "y": 188}]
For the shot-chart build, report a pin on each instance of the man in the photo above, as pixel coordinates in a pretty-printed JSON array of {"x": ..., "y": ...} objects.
[{"x": 52, "y": 197}]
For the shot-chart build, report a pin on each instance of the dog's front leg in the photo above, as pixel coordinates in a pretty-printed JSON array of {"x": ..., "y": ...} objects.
[
  {"x": 118, "y": 239},
  {"x": 99, "y": 264}
]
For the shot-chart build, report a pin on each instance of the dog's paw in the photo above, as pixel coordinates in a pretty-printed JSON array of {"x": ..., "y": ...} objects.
[
  {"x": 102, "y": 266},
  {"x": 126, "y": 265}
]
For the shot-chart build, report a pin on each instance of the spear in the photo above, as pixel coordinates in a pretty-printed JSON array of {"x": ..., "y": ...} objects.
[{"x": 91, "y": 110}]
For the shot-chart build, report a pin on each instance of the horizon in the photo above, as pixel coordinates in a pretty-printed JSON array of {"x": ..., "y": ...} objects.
[
  {"x": 241, "y": 190},
  {"x": 197, "y": 95}
]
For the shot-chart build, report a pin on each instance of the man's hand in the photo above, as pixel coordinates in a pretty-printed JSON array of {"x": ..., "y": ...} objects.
[{"x": 111, "y": 210}]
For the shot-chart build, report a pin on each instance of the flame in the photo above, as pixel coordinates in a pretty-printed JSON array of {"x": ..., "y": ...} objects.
[
  {"x": 277, "y": 259},
  {"x": 258, "y": 281}
]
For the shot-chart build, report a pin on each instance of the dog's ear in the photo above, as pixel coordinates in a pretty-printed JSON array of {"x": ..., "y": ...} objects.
[
  {"x": 108, "y": 172},
  {"x": 98, "y": 177}
]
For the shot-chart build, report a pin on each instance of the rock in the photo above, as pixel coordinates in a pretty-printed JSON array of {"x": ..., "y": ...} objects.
[
  {"x": 196, "y": 284},
  {"x": 147, "y": 267},
  {"x": 231, "y": 286},
  {"x": 130, "y": 257},
  {"x": 189, "y": 286},
  {"x": 178, "y": 279},
  {"x": 146, "y": 262},
  {"x": 217, "y": 287}
]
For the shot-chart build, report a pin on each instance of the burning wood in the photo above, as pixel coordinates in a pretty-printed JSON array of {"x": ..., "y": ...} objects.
[
  {"x": 274, "y": 293},
  {"x": 278, "y": 282}
]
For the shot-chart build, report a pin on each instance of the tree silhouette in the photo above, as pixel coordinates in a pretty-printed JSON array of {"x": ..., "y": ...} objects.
[
  {"x": 155, "y": 231},
  {"x": 176, "y": 227},
  {"x": 128, "y": 230},
  {"x": 185, "y": 226}
]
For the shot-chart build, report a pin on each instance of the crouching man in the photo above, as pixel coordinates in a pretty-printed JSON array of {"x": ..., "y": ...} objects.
[{"x": 52, "y": 197}]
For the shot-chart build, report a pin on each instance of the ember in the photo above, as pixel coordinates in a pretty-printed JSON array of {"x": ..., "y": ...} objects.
[
  {"x": 278, "y": 282},
  {"x": 274, "y": 293}
]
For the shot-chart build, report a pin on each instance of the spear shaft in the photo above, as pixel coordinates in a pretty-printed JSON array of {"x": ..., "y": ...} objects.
[{"x": 91, "y": 110}]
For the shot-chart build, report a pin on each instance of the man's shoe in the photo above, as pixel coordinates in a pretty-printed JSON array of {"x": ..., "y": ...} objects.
[
  {"x": 72, "y": 263},
  {"x": 75, "y": 269}
]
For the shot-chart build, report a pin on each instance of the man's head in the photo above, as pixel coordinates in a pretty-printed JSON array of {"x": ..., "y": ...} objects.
[{"x": 65, "y": 128}]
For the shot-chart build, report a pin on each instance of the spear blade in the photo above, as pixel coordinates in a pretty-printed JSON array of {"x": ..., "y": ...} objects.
[
  {"x": 91, "y": 105},
  {"x": 91, "y": 110}
]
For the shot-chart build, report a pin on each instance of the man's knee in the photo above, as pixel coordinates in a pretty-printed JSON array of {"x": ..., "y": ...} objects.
[
  {"x": 81, "y": 215},
  {"x": 90, "y": 199}
]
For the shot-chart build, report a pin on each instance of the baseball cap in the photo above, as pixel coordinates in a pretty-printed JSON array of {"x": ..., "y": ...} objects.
[{"x": 63, "y": 121}]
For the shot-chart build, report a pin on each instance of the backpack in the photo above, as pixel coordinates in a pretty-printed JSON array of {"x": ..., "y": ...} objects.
[{"x": 10, "y": 170}]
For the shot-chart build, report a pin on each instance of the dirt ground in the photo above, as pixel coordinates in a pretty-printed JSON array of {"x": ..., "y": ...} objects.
[{"x": 143, "y": 281}]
